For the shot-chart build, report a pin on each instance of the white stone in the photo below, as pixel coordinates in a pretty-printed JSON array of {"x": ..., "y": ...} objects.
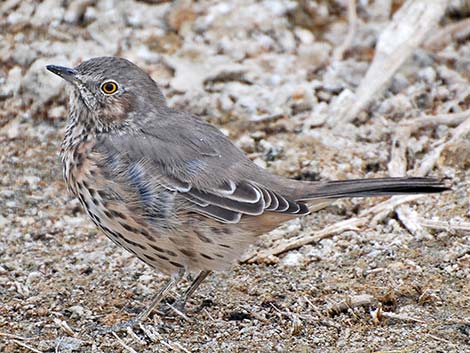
[{"x": 293, "y": 258}]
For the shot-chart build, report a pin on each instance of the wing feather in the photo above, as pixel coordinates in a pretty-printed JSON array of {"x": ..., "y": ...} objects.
[
  {"x": 218, "y": 213},
  {"x": 190, "y": 163},
  {"x": 249, "y": 208}
]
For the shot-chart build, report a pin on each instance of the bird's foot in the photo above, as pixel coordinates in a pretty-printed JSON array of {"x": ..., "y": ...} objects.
[{"x": 177, "y": 308}]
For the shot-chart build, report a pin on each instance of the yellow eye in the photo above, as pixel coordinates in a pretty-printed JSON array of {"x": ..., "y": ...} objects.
[{"x": 109, "y": 87}]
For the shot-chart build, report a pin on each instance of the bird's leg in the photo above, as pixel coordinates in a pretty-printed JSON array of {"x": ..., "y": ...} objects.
[
  {"x": 154, "y": 303},
  {"x": 181, "y": 302},
  {"x": 158, "y": 298}
]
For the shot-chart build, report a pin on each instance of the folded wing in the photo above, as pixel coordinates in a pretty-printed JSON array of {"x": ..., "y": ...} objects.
[{"x": 203, "y": 167}]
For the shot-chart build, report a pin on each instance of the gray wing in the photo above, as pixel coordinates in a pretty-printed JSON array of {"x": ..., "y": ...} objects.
[{"x": 196, "y": 160}]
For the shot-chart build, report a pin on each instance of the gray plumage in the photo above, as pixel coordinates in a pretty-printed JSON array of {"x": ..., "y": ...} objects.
[{"x": 171, "y": 188}]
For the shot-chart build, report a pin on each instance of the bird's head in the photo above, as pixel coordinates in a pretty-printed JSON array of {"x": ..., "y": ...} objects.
[{"x": 109, "y": 90}]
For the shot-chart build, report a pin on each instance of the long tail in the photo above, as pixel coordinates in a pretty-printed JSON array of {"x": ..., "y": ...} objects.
[{"x": 374, "y": 187}]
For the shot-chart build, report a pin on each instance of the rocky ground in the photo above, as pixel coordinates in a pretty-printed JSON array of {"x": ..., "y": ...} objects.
[{"x": 272, "y": 75}]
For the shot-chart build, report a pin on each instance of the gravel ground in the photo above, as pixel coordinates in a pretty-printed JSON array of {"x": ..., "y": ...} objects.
[{"x": 267, "y": 74}]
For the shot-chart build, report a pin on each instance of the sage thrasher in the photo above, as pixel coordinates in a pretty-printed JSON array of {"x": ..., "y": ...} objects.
[{"x": 171, "y": 188}]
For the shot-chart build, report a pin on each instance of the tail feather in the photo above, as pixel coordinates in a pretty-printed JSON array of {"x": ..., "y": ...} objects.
[{"x": 374, "y": 187}]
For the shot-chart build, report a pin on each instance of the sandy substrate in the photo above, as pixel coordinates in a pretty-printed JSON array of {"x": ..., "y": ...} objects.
[{"x": 268, "y": 73}]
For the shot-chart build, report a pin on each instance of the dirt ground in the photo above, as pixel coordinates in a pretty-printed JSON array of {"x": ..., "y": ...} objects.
[{"x": 362, "y": 275}]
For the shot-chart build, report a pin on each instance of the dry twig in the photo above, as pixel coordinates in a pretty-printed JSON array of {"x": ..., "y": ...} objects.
[
  {"x": 24, "y": 345},
  {"x": 377, "y": 315},
  {"x": 352, "y": 302},
  {"x": 123, "y": 344},
  {"x": 352, "y": 18},
  {"x": 401, "y": 317},
  {"x": 410, "y": 220},
  {"x": 433, "y": 120},
  {"x": 179, "y": 312},
  {"x": 445, "y": 225},
  {"x": 64, "y": 326},
  {"x": 284, "y": 245},
  {"x": 446, "y": 35},
  {"x": 398, "y": 164},
  {"x": 409, "y": 27},
  {"x": 430, "y": 160},
  {"x": 9, "y": 335}
]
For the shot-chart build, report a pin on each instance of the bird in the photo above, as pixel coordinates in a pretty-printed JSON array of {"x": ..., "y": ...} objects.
[{"x": 171, "y": 188}]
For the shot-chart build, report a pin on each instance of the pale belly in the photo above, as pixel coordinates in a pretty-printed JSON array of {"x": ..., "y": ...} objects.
[{"x": 164, "y": 234}]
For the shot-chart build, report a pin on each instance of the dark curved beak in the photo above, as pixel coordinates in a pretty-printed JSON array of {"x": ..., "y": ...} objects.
[{"x": 66, "y": 73}]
